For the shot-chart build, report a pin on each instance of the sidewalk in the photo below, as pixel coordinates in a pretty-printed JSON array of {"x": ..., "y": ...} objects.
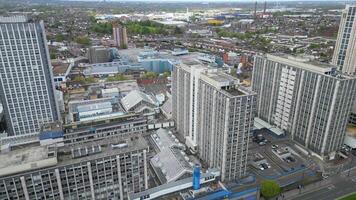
[{"x": 307, "y": 189}]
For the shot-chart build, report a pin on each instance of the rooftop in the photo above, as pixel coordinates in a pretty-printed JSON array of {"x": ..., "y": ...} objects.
[
  {"x": 13, "y": 19},
  {"x": 305, "y": 63},
  {"x": 171, "y": 162},
  {"x": 27, "y": 158},
  {"x": 135, "y": 97},
  {"x": 60, "y": 69},
  {"x": 100, "y": 148}
]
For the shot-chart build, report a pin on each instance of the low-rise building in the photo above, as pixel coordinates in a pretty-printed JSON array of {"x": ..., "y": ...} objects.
[
  {"x": 140, "y": 102},
  {"x": 170, "y": 163}
]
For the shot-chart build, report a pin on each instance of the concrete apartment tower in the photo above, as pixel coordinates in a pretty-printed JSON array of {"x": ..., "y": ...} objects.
[
  {"x": 26, "y": 80},
  {"x": 311, "y": 101},
  {"x": 120, "y": 36},
  {"x": 98, "y": 54},
  {"x": 215, "y": 116},
  {"x": 345, "y": 49}
]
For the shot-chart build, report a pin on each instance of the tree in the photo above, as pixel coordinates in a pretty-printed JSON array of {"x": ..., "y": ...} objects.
[
  {"x": 149, "y": 75},
  {"x": 314, "y": 46},
  {"x": 166, "y": 74},
  {"x": 118, "y": 77},
  {"x": 270, "y": 189},
  {"x": 82, "y": 40},
  {"x": 59, "y": 38},
  {"x": 52, "y": 56},
  {"x": 83, "y": 80}
]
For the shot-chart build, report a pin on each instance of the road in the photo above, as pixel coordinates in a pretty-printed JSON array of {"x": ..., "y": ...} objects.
[{"x": 339, "y": 185}]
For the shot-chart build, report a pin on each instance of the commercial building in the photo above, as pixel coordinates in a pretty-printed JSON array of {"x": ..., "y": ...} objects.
[
  {"x": 109, "y": 126},
  {"x": 98, "y": 54},
  {"x": 120, "y": 37},
  {"x": 106, "y": 169},
  {"x": 215, "y": 115},
  {"x": 139, "y": 102},
  {"x": 345, "y": 49},
  {"x": 26, "y": 80},
  {"x": 311, "y": 101},
  {"x": 170, "y": 163}
]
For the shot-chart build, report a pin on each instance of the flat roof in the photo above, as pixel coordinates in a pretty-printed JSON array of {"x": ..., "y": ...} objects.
[
  {"x": 301, "y": 62},
  {"x": 31, "y": 157},
  {"x": 59, "y": 69},
  {"x": 21, "y": 156},
  {"x": 132, "y": 143},
  {"x": 27, "y": 158}
]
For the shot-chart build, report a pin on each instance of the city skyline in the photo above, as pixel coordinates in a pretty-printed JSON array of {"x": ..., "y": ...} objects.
[{"x": 140, "y": 100}]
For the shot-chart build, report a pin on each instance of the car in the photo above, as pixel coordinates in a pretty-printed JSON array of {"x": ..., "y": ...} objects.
[
  {"x": 274, "y": 146},
  {"x": 268, "y": 165},
  {"x": 290, "y": 159},
  {"x": 262, "y": 143},
  {"x": 264, "y": 165},
  {"x": 261, "y": 167}
]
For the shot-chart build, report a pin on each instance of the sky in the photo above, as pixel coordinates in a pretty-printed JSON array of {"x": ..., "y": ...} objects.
[{"x": 162, "y": 1}]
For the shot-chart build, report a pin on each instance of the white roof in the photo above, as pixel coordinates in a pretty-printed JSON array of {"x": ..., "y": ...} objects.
[
  {"x": 110, "y": 90},
  {"x": 171, "y": 160},
  {"x": 167, "y": 108},
  {"x": 350, "y": 141},
  {"x": 259, "y": 124},
  {"x": 135, "y": 97}
]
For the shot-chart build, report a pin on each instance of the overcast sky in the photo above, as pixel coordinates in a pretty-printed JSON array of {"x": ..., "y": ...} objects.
[{"x": 162, "y": 1}]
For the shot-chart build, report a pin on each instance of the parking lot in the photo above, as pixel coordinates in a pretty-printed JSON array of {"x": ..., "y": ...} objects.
[{"x": 279, "y": 153}]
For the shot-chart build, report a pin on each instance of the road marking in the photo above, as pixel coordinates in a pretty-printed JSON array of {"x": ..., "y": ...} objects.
[{"x": 331, "y": 187}]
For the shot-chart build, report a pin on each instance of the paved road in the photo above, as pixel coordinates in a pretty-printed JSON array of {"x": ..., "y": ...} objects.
[{"x": 338, "y": 186}]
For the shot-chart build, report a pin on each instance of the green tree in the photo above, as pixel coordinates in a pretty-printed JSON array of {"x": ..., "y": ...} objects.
[
  {"x": 79, "y": 79},
  {"x": 52, "y": 56},
  {"x": 82, "y": 40},
  {"x": 166, "y": 74},
  {"x": 59, "y": 38},
  {"x": 104, "y": 28},
  {"x": 314, "y": 46},
  {"x": 270, "y": 189},
  {"x": 149, "y": 75},
  {"x": 117, "y": 77}
]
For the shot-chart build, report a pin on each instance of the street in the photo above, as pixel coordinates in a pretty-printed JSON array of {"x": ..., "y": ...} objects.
[{"x": 330, "y": 189}]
